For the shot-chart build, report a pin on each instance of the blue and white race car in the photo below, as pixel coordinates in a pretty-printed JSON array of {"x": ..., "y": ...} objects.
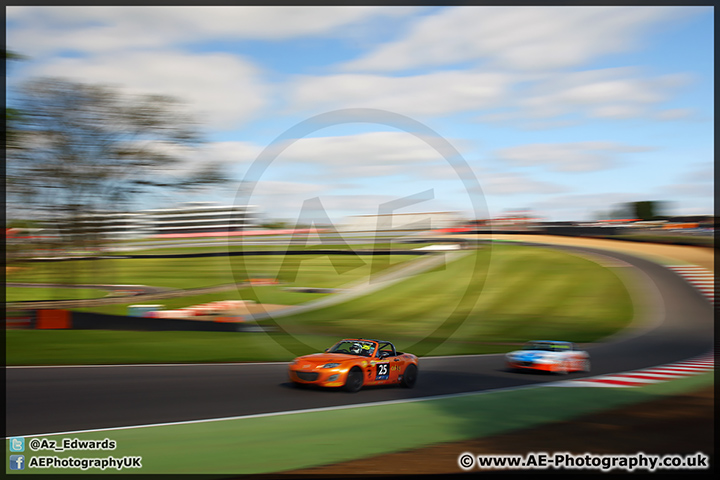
[{"x": 549, "y": 356}]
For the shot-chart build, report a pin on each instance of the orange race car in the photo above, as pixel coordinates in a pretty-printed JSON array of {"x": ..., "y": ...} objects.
[{"x": 355, "y": 362}]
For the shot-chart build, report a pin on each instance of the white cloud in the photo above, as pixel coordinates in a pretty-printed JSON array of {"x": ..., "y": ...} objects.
[
  {"x": 508, "y": 183},
  {"x": 362, "y": 204},
  {"x": 445, "y": 171},
  {"x": 278, "y": 198},
  {"x": 704, "y": 190},
  {"x": 374, "y": 148},
  {"x": 698, "y": 181},
  {"x": 610, "y": 93},
  {"x": 338, "y": 206},
  {"x": 681, "y": 198},
  {"x": 616, "y": 111},
  {"x": 229, "y": 153},
  {"x": 568, "y": 98},
  {"x": 274, "y": 187},
  {"x": 547, "y": 124},
  {"x": 225, "y": 155},
  {"x": 527, "y": 38},
  {"x": 430, "y": 94},
  {"x": 224, "y": 90},
  {"x": 103, "y": 29},
  {"x": 708, "y": 209},
  {"x": 286, "y": 200},
  {"x": 520, "y": 67},
  {"x": 568, "y": 157},
  {"x": 374, "y": 154},
  {"x": 700, "y": 172},
  {"x": 333, "y": 168},
  {"x": 140, "y": 46},
  {"x": 674, "y": 114}
]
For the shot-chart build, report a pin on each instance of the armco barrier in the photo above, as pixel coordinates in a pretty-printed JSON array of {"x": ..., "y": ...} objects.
[
  {"x": 605, "y": 233},
  {"x": 53, "y": 319},
  {"x": 305, "y": 251},
  {"x": 99, "y": 321},
  {"x": 20, "y": 319}
]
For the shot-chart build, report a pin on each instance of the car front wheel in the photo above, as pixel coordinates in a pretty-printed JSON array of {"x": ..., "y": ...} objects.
[
  {"x": 354, "y": 381},
  {"x": 409, "y": 377}
]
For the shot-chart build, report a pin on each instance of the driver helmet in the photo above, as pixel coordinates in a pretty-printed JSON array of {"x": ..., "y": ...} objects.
[{"x": 356, "y": 349}]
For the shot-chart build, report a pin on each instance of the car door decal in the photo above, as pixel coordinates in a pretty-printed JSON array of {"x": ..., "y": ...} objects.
[{"x": 383, "y": 371}]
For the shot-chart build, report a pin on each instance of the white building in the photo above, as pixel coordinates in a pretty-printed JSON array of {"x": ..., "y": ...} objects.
[
  {"x": 123, "y": 225},
  {"x": 202, "y": 217},
  {"x": 194, "y": 217}
]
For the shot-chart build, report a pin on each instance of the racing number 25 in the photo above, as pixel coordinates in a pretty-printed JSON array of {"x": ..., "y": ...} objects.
[{"x": 382, "y": 372}]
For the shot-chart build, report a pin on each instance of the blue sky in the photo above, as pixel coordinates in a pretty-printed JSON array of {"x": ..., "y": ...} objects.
[{"x": 565, "y": 111}]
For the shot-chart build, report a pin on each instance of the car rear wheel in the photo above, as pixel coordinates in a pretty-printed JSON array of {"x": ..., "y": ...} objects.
[
  {"x": 354, "y": 381},
  {"x": 409, "y": 377},
  {"x": 585, "y": 365}
]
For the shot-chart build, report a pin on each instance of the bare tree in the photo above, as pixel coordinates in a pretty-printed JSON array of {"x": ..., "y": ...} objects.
[
  {"x": 12, "y": 115},
  {"x": 84, "y": 148}
]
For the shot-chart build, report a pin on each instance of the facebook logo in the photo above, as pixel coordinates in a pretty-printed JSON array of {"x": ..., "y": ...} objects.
[
  {"x": 17, "y": 444},
  {"x": 17, "y": 462}
]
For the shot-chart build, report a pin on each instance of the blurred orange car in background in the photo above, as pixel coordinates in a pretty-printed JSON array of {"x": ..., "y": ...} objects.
[{"x": 354, "y": 363}]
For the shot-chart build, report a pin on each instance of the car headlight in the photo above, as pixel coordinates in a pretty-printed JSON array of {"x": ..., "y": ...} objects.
[{"x": 330, "y": 365}]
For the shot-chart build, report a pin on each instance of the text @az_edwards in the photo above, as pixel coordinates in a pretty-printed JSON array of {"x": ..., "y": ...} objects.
[{"x": 65, "y": 444}]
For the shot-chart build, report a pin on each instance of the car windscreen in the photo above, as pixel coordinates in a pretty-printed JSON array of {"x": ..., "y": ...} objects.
[
  {"x": 354, "y": 347},
  {"x": 547, "y": 347}
]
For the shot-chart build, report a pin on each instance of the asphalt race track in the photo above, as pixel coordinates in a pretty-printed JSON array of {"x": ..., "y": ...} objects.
[{"x": 41, "y": 400}]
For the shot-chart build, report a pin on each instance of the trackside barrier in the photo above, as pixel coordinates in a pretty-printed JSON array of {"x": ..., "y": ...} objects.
[
  {"x": 98, "y": 321},
  {"x": 66, "y": 319},
  {"x": 53, "y": 319}
]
